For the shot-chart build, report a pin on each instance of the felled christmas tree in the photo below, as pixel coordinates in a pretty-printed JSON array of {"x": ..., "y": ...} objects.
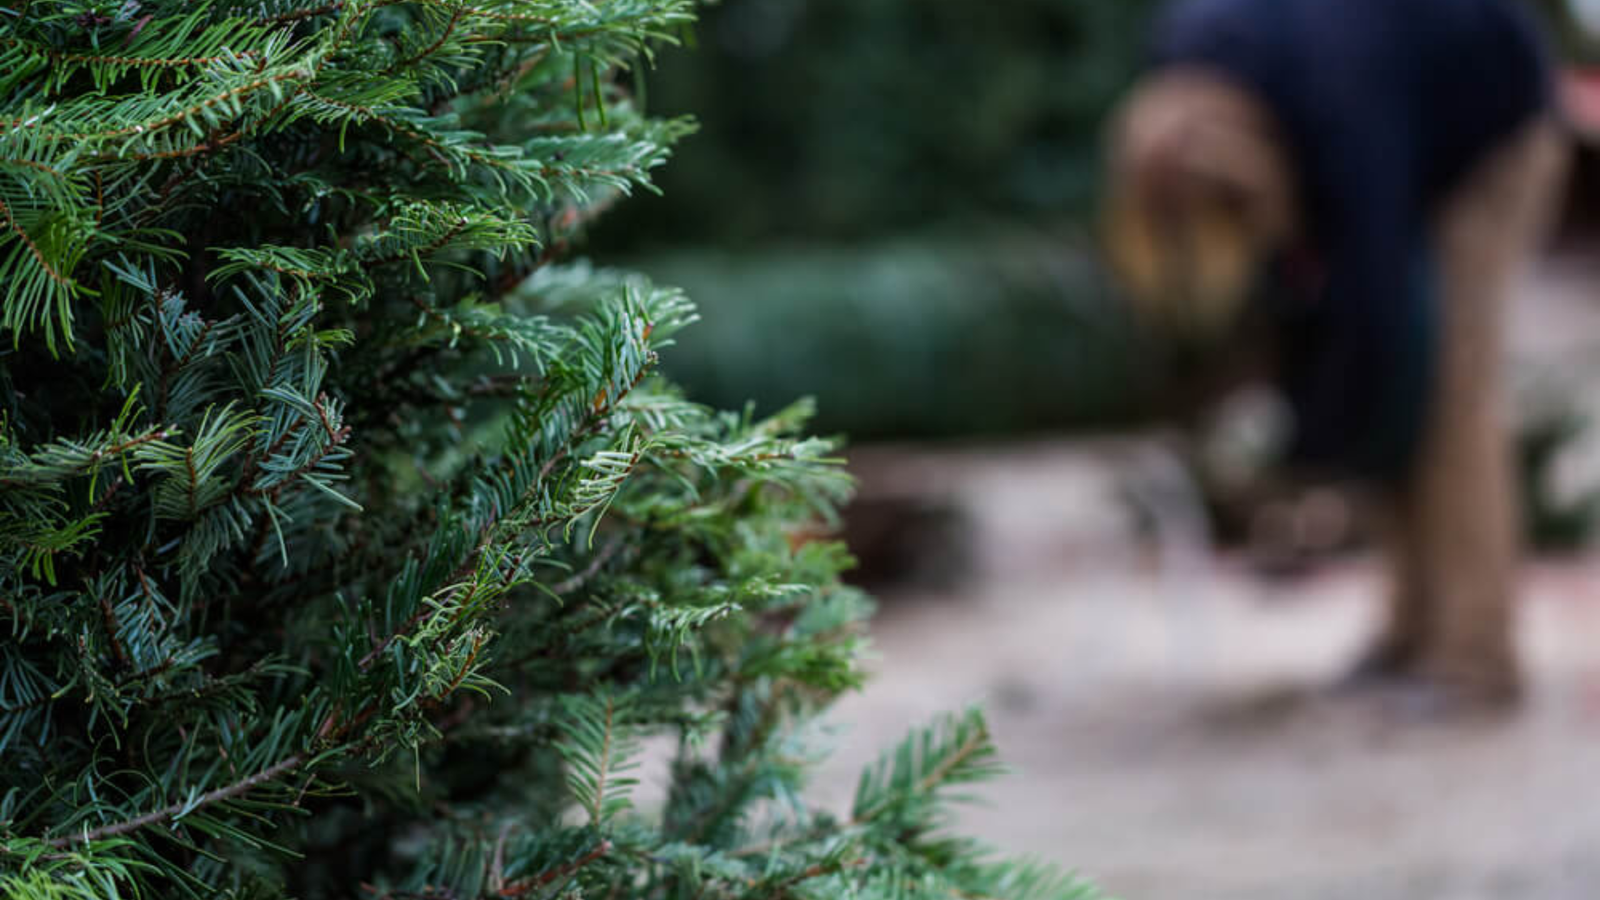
[{"x": 348, "y": 545}]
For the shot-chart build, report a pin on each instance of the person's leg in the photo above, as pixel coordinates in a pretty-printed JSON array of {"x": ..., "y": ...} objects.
[
  {"x": 1395, "y": 651},
  {"x": 1460, "y": 553}
]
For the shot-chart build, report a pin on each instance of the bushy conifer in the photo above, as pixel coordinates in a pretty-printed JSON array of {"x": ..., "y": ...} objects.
[{"x": 349, "y": 544}]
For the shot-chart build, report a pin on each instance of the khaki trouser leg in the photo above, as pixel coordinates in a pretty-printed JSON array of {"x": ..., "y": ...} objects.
[
  {"x": 1458, "y": 551},
  {"x": 1399, "y": 644}
]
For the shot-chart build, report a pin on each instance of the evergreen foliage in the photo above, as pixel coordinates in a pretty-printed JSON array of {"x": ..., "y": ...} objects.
[
  {"x": 935, "y": 335},
  {"x": 843, "y": 119},
  {"x": 349, "y": 544}
]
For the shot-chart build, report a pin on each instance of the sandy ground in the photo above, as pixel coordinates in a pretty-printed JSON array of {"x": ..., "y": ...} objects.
[
  {"x": 1166, "y": 713},
  {"x": 1165, "y": 707}
]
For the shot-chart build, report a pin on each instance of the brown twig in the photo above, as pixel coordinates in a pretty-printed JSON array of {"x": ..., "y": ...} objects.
[
  {"x": 119, "y": 656},
  {"x": 422, "y": 614},
  {"x": 449, "y": 29},
  {"x": 816, "y": 870},
  {"x": 432, "y": 246},
  {"x": 33, "y": 249},
  {"x": 529, "y": 885},
  {"x": 271, "y": 773}
]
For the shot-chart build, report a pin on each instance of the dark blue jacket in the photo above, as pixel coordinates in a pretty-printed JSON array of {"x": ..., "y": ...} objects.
[{"x": 1386, "y": 105}]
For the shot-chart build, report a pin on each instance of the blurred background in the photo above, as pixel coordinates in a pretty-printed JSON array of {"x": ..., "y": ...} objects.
[{"x": 889, "y": 207}]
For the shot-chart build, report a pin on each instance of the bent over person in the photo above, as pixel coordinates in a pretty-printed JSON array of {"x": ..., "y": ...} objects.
[{"x": 1359, "y": 182}]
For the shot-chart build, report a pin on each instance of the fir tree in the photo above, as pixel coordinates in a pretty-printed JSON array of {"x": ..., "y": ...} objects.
[{"x": 348, "y": 544}]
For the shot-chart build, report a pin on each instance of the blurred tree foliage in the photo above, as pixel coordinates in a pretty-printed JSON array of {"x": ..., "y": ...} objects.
[
  {"x": 927, "y": 336},
  {"x": 1567, "y": 20},
  {"x": 854, "y": 159},
  {"x": 845, "y": 118}
]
